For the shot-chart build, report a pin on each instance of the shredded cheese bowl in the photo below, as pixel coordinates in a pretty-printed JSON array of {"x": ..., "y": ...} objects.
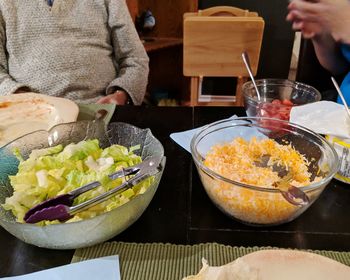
[{"x": 242, "y": 161}]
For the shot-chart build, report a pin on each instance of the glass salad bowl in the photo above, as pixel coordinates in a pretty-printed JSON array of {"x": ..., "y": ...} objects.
[
  {"x": 89, "y": 231},
  {"x": 241, "y": 183}
]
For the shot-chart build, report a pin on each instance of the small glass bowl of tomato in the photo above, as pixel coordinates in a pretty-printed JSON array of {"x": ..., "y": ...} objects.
[{"x": 277, "y": 97}]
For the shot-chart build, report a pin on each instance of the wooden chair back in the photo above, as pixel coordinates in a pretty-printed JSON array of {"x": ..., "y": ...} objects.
[{"x": 214, "y": 40}]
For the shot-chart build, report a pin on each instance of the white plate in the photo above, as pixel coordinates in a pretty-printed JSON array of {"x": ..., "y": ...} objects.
[
  {"x": 27, "y": 112},
  {"x": 291, "y": 264},
  {"x": 276, "y": 265}
]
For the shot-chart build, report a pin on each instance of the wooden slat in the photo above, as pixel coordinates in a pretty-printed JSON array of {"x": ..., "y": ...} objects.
[
  {"x": 224, "y": 10},
  {"x": 194, "y": 91},
  {"x": 157, "y": 43}
]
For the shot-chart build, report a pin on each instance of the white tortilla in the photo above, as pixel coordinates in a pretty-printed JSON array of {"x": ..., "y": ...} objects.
[
  {"x": 27, "y": 112},
  {"x": 276, "y": 265}
]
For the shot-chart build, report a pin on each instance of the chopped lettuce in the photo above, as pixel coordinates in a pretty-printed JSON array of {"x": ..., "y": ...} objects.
[{"x": 56, "y": 170}]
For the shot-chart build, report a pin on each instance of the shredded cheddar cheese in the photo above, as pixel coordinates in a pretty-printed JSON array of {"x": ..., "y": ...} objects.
[{"x": 241, "y": 161}]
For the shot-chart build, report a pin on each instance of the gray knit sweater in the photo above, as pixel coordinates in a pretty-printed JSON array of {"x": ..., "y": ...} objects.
[{"x": 78, "y": 49}]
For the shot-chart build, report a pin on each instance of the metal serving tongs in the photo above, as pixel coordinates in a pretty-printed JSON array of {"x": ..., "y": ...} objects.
[{"x": 60, "y": 207}]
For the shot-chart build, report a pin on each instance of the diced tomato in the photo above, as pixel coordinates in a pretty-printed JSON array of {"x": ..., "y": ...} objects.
[
  {"x": 276, "y": 102},
  {"x": 275, "y": 109},
  {"x": 287, "y": 102},
  {"x": 284, "y": 116}
]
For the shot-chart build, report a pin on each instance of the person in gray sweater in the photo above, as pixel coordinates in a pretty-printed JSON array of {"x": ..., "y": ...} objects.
[{"x": 84, "y": 50}]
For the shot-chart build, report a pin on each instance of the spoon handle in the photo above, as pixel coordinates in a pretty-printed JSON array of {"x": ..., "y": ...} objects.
[
  {"x": 247, "y": 65},
  {"x": 341, "y": 96}
]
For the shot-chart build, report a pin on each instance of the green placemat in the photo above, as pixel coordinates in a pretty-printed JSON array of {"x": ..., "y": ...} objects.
[
  {"x": 88, "y": 111},
  {"x": 167, "y": 261}
]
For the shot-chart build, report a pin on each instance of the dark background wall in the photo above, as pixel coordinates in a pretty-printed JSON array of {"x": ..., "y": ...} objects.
[{"x": 278, "y": 37}]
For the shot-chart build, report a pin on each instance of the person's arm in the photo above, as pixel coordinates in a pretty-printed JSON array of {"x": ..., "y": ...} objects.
[
  {"x": 130, "y": 55},
  {"x": 326, "y": 23},
  {"x": 7, "y": 84},
  {"x": 328, "y": 54},
  {"x": 322, "y": 16}
]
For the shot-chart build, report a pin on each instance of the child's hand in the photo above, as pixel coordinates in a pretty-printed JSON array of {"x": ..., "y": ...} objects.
[
  {"x": 299, "y": 23},
  {"x": 323, "y": 16}
]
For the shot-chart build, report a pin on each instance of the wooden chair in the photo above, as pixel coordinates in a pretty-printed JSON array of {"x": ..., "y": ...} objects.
[{"x": 214, "y": 40}]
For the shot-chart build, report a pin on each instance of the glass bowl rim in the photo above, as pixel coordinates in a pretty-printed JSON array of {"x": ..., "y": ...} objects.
[
  {"x": 213, "y": 174},
  {"x": 272, "y": 81}
]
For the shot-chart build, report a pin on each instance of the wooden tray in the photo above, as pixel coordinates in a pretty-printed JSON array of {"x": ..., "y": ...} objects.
[{"x": 213, "y": 45}]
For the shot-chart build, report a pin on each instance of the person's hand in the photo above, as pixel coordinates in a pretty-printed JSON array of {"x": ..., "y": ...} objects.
[
  {"x": 308, "y": 29},
  {"x": 120, "y": 97},
  {"x": 321, "y": 16}
]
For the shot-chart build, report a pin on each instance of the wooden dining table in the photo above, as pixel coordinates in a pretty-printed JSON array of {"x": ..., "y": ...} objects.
[{"x": 182, "y": 213}]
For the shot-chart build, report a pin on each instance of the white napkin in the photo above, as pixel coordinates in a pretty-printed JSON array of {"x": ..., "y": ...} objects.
[
  {"x": 184, "y": 138},
  {"x": 323, "y": 117},
  {"x": 106, "y": 268}
]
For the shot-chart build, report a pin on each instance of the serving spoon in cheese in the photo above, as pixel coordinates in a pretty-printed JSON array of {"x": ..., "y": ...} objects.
[{"x": 292, "y": 194}]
